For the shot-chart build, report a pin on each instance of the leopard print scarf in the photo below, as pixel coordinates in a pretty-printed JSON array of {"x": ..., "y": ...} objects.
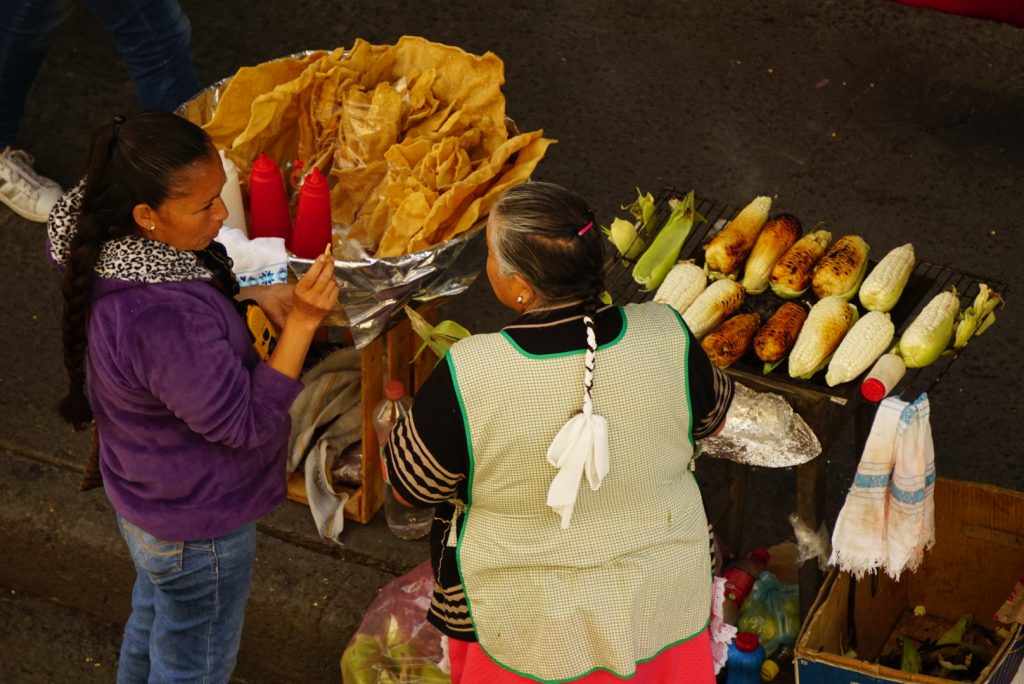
[{"x": 132, "y": 258}]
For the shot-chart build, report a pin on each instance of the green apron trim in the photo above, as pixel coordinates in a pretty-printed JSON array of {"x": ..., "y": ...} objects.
[{"x": 555, "y": 355}]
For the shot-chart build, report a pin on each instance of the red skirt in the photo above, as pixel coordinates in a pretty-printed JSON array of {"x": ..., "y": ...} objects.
[{"x": 689, "y": 662}]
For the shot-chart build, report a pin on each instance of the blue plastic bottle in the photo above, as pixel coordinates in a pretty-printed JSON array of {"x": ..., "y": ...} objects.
[{"x": 745, "y": 657}]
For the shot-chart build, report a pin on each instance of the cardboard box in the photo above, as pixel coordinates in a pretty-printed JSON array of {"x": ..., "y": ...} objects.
[{"x": 973, "y": 567}]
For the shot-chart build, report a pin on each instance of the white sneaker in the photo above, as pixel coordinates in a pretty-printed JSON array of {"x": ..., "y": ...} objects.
[{"x": 22, "y": 189}]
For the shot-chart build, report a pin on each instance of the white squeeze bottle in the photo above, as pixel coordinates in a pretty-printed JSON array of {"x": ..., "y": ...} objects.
[
  {"x": 404, "y": 522},
  {"x": 231, "y": 195}
]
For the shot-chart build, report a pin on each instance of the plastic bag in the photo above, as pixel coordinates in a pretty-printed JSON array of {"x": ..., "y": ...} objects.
[
  {"x": 772, "y": 612},
  {"x": 394, "y": 643},
  {"x": 811, "y": 544}
]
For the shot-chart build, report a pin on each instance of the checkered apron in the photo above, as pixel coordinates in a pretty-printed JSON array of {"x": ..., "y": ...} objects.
[{"x": 632, "y": 575}]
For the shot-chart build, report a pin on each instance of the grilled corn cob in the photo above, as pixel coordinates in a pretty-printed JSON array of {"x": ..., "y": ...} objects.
[
  {"x": 825, "y": 327},
  {"x": 791, "y": 275},
  {"x": 929, "y": 333},
  {"x": 841, "y": 270},
  {"x": 725, "y": 252},
  {"x": 712, "y": 306},
  {"x": 654, "y": 264},
  {"x": 683, "y": 283},
  {"x": 777, "y": 236},
  {"x": 882, "y": 288},
  {"x": 867, "y": 340},
  {"x": 731, "y": 340},
  {"x": 776, "y": 337}
]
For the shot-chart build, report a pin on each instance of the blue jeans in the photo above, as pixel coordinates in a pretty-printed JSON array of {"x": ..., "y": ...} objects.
[
  {"x": 188, "y": 605},
  {"x": 153, "y": 37}
]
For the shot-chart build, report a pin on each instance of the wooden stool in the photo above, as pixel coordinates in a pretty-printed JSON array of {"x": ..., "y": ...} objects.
[{"x": 395, "y": 350}]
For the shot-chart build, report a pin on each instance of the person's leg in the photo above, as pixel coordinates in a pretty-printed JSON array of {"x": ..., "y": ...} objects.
[
  {"x": 200, "y": 610},
  {"x": 153, "y": 37},
  {"x": 133, "y": 666},
  {"x": 24, "y": 40}
]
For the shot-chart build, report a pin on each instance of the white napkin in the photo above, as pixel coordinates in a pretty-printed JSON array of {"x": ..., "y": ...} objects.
[
  {"x": 858, "y": 540},
  {"x": 911, "y": 521},
  {"x": 260, "y": 261}
]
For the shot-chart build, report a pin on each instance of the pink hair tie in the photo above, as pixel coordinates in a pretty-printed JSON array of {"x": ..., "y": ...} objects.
[{"x": 585, "y": 228}]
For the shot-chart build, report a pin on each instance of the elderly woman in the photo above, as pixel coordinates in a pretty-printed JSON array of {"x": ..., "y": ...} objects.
[
  {"x": 193, "y": 426},
  {"x": 541, "y": 577}
]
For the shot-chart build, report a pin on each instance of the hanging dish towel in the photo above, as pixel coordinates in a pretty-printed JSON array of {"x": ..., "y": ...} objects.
[
  {"x": 858, "y": 540},
  {"x": 911, "y": 519}
]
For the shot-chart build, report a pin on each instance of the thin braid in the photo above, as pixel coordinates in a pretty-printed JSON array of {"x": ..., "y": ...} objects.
[{"x": 590, "y": 360}]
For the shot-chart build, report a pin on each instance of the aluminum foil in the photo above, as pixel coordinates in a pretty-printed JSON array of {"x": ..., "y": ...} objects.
[
  {"x": 762, "y": 429},
  {"x": 372, "y": 290}
]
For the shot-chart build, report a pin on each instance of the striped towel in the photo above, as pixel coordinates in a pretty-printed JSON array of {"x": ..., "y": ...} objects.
[
  {"x": 859, "y": 537},
  {"x": 911, "y": 520}
]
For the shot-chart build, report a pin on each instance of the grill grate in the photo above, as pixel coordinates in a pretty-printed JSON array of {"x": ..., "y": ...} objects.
[{"x": 927, "y": 280}]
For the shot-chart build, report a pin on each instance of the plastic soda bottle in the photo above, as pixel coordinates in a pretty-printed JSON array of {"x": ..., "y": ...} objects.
[
  {"x": 745, "y": 657},
  {"x": 403, "y": 521},
  {"x": 313, "y": 218},
  {"x": 739, "y": 580},
  {"x": 268, "y": 206}
]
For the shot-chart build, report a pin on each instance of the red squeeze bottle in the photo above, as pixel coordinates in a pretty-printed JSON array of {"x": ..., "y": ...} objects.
[
  {"x": 313, "y": 219},
  {"x": 739, "y": 580},
  {"x": 268, "y": 206}
]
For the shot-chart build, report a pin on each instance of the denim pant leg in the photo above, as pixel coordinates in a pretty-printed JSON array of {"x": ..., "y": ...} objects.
[
  {"x": 153, "y": 37},
  {"x": 133, "y": 665},
  {"x": 25, "y": 32},
  {"x": 200, "y": 589}
]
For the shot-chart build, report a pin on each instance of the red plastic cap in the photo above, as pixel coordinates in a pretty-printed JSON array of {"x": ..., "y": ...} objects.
[
  {"x": 760, "y": 554},
  {"x": 314, "y": 180},
  {"x": 264, "y": 163},
  {"x": 747, "y": 642},
  {"x": 873, "y": 389},
  {"x": 394, "y": 389}
]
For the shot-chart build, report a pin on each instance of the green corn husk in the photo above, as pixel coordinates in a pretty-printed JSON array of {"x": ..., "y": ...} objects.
[
  {"x": 978, "y": 317},
  {"x": 652, "y": 267},
  {"x": 438, "y": 337},
  {"x": 911, "y": 660},
  {"x": 627, "y": 236}
]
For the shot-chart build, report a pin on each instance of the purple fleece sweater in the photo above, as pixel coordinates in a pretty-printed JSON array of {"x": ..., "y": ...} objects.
[{"x": 193, "y": 427}]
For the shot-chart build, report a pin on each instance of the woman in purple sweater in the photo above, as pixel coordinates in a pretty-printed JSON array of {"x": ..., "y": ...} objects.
[{"x": 192, "y": 425}]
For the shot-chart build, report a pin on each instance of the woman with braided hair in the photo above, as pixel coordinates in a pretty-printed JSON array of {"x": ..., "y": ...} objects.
[
  {"x": 192, "y": 425},
  {"x": 570, "y": 541}
]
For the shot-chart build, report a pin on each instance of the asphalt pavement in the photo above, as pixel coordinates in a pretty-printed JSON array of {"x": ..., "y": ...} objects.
[{"x": 896, "y": 123}]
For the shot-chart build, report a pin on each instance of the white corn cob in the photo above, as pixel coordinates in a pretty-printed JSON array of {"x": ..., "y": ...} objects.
[
  {"x": 928, "y": 335},
  {"x": 824, "y": 328},
  {"x": 882, "y": 288},
  {"x": 712, "y": 306},
  {"x": 867, "y": 340},
  {"x": 683, "y": 283}
]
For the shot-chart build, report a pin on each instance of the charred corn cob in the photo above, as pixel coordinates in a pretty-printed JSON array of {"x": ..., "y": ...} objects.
[
  {"x": 791, "y": 275},
  {"x": 824, "y": 329},
  {"x": 725, "y": 252},
  {"x": 882, "y": 288},
  {"x": 712, "y": 306},
  {"x": 776, "y": 337},
  {"x": 654, "y": 264},
  {"x": 777, "y": 236},
  {"x": 841, "y": 270},
  {"x": 731, "y": 340},
  {"x": 683, "y": 283},
  {"x": 929, "y": 333},
  {"x": 867, "y": 340}
]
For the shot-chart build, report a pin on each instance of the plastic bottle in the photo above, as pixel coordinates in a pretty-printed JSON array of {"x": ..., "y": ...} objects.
[
  {"x": 231, "y": 195},
  {"x": 883, "y": 376},
  {"x": 739, "y": 580},
  {"x": 268, "y": 206},
  {"x": 781, "y": 659},
  {"x": 403, "y": 521},
  {"x": 745, "y": 657},
  {"x": 313, "y": 219}
]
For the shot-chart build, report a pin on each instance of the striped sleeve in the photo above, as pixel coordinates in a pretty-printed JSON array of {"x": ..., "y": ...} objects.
[
  {"x": 710, "y": 391},
  {"x": 426, "y": 454}
]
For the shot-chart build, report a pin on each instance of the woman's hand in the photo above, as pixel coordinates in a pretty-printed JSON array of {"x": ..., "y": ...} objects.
[
  {"x": 315, "y": 294},
  {"x": 275, "y": 300}
]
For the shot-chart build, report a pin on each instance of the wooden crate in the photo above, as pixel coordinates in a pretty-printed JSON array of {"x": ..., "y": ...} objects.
[{"x": 393, "y": 353}]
